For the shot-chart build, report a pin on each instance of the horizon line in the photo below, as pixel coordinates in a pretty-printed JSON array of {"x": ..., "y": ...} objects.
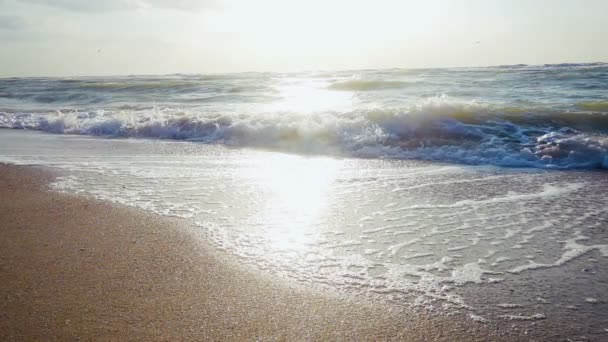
[{"x": 564, "y": 64}]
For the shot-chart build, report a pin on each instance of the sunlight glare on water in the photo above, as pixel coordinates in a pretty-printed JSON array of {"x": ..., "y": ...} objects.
[
  {"x": 292, "y": 187},
  {"x": 310, "y": 96}
]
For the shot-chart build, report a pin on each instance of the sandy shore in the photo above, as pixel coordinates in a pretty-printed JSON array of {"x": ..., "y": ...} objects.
[{"x": 74, "y": 268}]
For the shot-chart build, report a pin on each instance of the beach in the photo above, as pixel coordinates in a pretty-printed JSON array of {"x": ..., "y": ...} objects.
[
  {"x": 108, "y": 239},
  {"x": 404, "y": 204},
  {"x": 230, "y": 170},
  {"x": 77, "y": 268}
]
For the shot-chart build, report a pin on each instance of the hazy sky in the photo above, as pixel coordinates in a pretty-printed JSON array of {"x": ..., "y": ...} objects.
[{"x": 94, "y": 37}]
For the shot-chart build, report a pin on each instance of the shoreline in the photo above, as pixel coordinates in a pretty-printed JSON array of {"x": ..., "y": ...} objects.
[{"x": 76, "y": 268}]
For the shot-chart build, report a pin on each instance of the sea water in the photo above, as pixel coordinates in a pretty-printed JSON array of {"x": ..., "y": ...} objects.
[
  {"x": 551, "y": 116},
  {"x": 464, "y": 190}
]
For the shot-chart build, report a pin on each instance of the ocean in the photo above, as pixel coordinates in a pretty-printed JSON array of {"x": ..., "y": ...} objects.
[{"x": 478, "y": 191}]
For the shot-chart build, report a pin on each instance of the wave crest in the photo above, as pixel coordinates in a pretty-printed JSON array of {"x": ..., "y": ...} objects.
[
  {"x": 596, "y": 106},
  {"x": 437, "y": 129}
]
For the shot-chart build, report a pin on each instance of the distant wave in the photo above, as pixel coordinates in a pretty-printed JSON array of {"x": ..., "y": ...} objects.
[
  {"x": 596, "y": 106},
  {"x": 436, "y": 129},
  {"x": 512, "y": 66},
  {"x": 139, "y": 85},
  {"x": 363, "y": 85},
  {"x": 552, "y": 66},
  {"x": 569, "y": 65}
]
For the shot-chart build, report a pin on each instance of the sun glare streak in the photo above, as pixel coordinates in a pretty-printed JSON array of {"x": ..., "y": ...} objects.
[
  {"x": 295, "y": 194},
  {"x": 310, "y": 96}
]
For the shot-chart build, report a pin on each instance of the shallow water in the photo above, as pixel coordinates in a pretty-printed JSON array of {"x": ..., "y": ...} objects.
[{"x": 522, "y": 248}]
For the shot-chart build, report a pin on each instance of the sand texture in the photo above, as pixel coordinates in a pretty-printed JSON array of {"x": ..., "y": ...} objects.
[{"x": 74, "y": 268}]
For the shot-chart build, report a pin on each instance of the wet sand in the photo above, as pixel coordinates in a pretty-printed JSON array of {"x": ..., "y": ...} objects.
[{"x": 75, "y": 268}]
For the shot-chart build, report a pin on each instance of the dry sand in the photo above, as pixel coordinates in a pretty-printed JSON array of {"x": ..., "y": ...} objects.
[{"x": 74, "y": 268}]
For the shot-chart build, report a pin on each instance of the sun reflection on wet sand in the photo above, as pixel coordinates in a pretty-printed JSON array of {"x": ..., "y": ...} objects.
[{"x": 295, "y": 193}]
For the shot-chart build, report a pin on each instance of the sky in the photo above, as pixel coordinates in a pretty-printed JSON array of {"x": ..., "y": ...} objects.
[{"x": 122, "y": 37}]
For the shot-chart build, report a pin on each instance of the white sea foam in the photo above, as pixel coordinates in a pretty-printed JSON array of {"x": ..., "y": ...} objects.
[
  {"x": 479, "y": 319},
  {"x": 508, "y": 306},
  {"x": 534, "y": 317},
  {"x": 439, "y": 129}
]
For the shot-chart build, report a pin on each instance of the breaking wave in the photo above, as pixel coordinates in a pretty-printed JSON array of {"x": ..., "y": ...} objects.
[{"x": 437, "y": 129}]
